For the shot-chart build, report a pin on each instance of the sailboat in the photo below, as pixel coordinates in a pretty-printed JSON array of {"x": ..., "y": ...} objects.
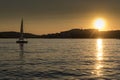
[{"x": 21, "y": 39}]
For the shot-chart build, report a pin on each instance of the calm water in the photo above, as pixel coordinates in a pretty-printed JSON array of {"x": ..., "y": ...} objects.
[{"x": 60, "y": 59}]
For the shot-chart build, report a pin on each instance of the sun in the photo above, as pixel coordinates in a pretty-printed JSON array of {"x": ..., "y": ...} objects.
[{"x": 99, "y": 23}]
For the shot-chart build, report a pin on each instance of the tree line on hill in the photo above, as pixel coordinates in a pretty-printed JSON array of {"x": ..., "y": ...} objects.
[
  {"x": 73, "y": 33},
  {"x": 84, "y": 33}
]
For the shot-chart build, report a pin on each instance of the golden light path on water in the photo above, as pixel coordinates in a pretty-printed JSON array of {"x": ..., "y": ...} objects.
[{"x": 99, "y": 57}]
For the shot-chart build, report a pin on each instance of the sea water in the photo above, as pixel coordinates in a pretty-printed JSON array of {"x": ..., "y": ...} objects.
[{"x": 60, "y": 59}]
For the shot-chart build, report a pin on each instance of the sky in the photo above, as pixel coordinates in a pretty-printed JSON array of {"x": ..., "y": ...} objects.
[{"x": 51, "y": 16}]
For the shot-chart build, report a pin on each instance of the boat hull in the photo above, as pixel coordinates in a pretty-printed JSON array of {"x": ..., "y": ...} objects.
[{"x": 21, "y": 41}]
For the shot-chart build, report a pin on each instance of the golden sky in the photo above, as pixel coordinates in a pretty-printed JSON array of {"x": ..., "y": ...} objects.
[{"x": 51, "y": 16}]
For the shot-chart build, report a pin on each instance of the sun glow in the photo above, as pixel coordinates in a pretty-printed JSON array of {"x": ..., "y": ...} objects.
[{"x": 99, "y": 23}]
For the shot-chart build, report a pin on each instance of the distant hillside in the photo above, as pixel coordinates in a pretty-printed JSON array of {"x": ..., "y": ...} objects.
[
  {"x": 110, "y": 34},
  {"x": 84, "y": 33},
  {"x": 73, "y": 33},
  {"x": 13, "y": 34}
]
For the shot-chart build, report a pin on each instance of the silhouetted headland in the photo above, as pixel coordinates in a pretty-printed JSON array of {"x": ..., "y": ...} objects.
[
  {"x": 73, "y": 33},
  {"x": 84, "y": 33},
  {"x": 13, "y": 34}
]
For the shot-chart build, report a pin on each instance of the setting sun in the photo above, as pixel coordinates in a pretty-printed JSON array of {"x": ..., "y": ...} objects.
[{"x": 99, "y": 23}]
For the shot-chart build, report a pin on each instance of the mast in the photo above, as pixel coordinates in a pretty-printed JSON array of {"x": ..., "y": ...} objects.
[{"x": 21, "y": 30}]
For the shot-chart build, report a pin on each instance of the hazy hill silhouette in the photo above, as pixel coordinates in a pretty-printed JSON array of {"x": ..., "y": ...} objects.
[
  {"x": 73, "y": 33},
  {"x": 110, "y": 34},
  {"x": 12, "y": 34}
]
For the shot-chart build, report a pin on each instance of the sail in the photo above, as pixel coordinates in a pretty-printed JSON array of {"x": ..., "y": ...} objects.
[
  {"x": 21, "y": 38},
  {"x": 21, "y": 31}
]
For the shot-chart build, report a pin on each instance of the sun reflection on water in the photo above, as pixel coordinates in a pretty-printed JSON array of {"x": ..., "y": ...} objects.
[
  {"x": 99, "y": 57},
  {"x": 99, "y": 50}
]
